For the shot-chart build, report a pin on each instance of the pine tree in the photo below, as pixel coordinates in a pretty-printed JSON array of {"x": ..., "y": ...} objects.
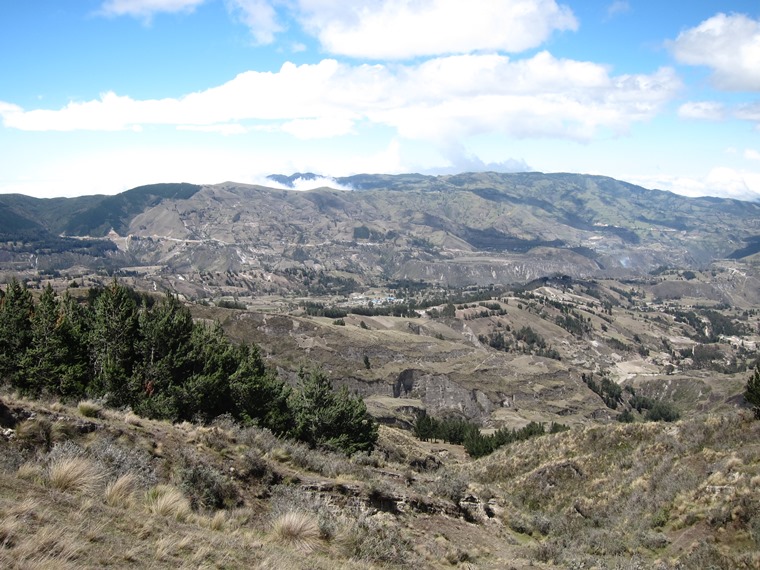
[
  {"x": 75, "y": 322},
  {"x": 260, "y": 397},
  {"x": 16, "y": 309},
  {"x": 336, "y": 420},
  {"x": 163, "y": 356},
  {"x": 112, "y": 339},
  {"x": 43, "y": 362},
  {"x": 205, "y": 393},
  {"x": 752, "y": 392}
]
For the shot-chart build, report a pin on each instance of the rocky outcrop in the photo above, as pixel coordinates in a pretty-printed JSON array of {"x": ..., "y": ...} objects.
[{"x": 439, "y": 393}]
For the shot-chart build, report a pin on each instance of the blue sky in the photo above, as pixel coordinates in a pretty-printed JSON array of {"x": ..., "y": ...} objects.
[{"x": 99, "y": 96}]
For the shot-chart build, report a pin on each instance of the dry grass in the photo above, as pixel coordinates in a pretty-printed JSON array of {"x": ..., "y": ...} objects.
[
  {"x": 73, "y": 475},
  {"x": 168, "y": 501},
  {"x": 120, "y": 493},
  {"x": 132, "y": 419},
  {"x": 31, "y": 471},
  {"x": 89, "y": 409},
  {"x": 219, "y": 521},
  {"x": 296, "y": 529}
]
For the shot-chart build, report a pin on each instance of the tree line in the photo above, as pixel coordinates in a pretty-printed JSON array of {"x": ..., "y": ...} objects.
[
  {"x": 125, "y": 349},
  {"x": 461, "y": 432}
]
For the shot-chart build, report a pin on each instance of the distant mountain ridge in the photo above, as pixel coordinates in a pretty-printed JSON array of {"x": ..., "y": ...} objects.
[{"x": 455, "y": 229}]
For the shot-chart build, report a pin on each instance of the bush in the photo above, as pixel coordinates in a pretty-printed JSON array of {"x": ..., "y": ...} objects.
[
  {"x": 364, "y": 538},
  {"x": 207, "y": 487}
]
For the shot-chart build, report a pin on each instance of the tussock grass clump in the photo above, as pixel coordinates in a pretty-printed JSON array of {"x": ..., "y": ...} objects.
[
  {"x": 51, "y": 546},
  {"x": 89, "y": 409},
  {"x": 119, "y": 493},
  {"x": 35, "y": 433},
  {"x": 296, "y": 529},
  {"x": 219, "y": 521},
  {"x": 168, "y": 501},
  {"x": 73, "y": 475},
  {"x": 31, "y": 471},
  {"x": 132, "y": 419}
]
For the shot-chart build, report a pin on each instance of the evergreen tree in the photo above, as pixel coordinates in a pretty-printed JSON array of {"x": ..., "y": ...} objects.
[
  {"x": 258, "y": 396},
  {"x": 336, "y": 420},
  {"x": 425, "y": 427},
  {"x": 163, "y": 356},
  {"x": 112, "y": 339},
  {"x": 74, "y": 324},
  {"x": 205, "y": 393},
  {"x": 16, "y": 310},
  {"x": 752, "y": 392},
  {"x": 42, "y": 364}
]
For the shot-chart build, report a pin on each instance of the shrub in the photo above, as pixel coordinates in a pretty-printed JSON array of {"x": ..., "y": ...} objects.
[
  {"x": 365, "y": 538},
  {"x": 752, "y": 392},
  {"x": 662, "y": 412},
  {"x": 207, "y": 487}
]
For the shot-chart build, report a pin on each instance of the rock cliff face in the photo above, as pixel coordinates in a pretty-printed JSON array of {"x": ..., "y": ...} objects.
[{"x": 440, "y": 394}]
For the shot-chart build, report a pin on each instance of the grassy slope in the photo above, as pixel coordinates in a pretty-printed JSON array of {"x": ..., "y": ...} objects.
[{"x": 641, "y": 496}]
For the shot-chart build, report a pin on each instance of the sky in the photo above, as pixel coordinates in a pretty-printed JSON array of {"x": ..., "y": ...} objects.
[{"x": 99, "y": 96}]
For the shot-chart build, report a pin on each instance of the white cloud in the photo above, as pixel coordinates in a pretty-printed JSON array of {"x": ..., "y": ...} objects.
[
  {"x": 303, "y": 184},
  {"x": 145, "y": 9},
  {"x": 222, "y": 129},
  {"x": 720, "y": 181},
  {"x": 618, "y": 7},
  {"x": 438, "y": 100},
  {"x": 461, "y": 160},
  {"x": 729, "y": 45},
  {"x": 259, "y": 16},
  {"x": 749, "y": 112},
  {"x": 705, "y": 110},
  {"x": 751, "y": 154},
  {"x": 387, "y": 29},
  {"x": 401, "y": 29}
]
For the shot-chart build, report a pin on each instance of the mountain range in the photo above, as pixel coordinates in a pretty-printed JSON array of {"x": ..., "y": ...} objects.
[{"x": 454, "y": 230}]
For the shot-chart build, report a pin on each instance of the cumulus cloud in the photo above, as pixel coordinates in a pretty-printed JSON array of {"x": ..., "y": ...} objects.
[
  {"x": 387, "y": 29},
  {"x": 751, "y": 154},
  {"x": 402, "y": 29},
  {"x": 705, "y": 110},
  {"x": 727, "y": 44},
  {"x": 145, "y": 9},
  {"x": 440, "y": 99}
]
